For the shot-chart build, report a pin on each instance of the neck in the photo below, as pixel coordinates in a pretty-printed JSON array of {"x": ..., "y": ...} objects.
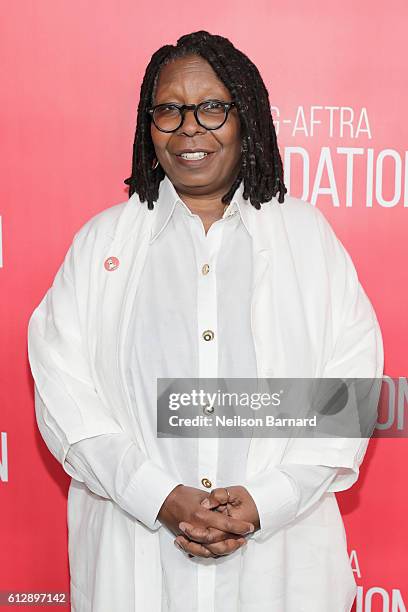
[{"x": 206, "y": 205}]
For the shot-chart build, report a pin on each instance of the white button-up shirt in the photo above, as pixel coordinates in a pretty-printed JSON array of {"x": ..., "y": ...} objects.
[{"x": 176, "y": 302}]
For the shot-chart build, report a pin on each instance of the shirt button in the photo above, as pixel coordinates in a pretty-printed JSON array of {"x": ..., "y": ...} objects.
[
  {"x": 206, "y": 483},
  {"x": 208, "y": 334},
  {"x": 205, "y": 269},
  {"x": 207, "y": 409}
]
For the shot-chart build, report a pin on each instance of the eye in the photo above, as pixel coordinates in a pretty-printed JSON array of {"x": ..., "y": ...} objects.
[
  {"x": 167, "y": 110},
  {"x": 213, "y": 107}
]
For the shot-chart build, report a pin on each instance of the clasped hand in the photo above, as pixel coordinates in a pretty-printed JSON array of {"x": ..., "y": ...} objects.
[{"x": 209, "y": 525}]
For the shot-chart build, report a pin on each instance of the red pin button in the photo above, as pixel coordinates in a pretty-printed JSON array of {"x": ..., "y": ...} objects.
[{"x": 111, "y": 264}]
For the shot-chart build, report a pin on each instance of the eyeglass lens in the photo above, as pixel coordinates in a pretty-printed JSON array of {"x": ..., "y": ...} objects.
[{"x": 210, "y": 115}]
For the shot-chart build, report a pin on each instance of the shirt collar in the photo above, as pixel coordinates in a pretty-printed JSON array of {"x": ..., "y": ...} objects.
[{"x": 168, "y": 198}]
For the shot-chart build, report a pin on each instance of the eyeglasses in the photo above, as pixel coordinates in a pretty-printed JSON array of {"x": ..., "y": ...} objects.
[{"x": 211, "y": 114}]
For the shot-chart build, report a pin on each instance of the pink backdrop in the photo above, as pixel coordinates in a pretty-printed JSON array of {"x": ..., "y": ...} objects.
[{"x": 68, "y": 107}]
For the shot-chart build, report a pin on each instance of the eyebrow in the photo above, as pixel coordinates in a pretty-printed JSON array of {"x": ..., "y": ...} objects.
[{"x": 209, "y": 99}]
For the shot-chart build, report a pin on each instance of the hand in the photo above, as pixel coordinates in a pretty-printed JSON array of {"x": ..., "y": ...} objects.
[
  {"x": 221, "y": 533},
  {"x": 239, "y": 504},
  {"x": 236, "y": 503}
]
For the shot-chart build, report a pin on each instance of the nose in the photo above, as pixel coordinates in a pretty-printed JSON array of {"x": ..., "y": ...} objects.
[{"x": 190, "y": 127}]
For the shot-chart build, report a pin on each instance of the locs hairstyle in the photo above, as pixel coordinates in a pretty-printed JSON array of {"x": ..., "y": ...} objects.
[{"x": 261, "y": 164}]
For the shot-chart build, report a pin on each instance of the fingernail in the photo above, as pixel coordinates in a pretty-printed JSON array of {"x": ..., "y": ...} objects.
[
  {"x": 182, "y": 526},
  {"x": 251, "y": 529},
  {"x": 205, "y": 503}
]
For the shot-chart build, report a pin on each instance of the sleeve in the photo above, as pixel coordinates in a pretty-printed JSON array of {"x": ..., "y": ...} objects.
[
  {"x": 357, "y": 352},
  {"x": 67, "y": 406},
  {"x": 283, "y": 493},
  {"x": 111, "y": 466},
  {"x": 313, "y": 466}
]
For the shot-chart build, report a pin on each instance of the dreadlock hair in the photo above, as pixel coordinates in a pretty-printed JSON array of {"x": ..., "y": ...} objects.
[{"x": 261, "y": 164}]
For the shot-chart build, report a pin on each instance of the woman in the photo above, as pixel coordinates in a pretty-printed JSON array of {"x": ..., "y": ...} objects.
[{"x": 207, "y": 271}]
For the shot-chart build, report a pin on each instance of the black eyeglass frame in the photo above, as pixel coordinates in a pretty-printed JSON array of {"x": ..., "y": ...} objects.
[{"x": 182, "y": 108}]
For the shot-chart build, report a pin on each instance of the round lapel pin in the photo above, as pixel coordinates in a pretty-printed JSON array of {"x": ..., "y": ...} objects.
[{"x": 112, "y": 263}]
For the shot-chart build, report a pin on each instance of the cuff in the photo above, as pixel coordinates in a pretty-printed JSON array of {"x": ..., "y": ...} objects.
[
  {"x": 147, "y": 491},
  {"x": 276, "y": 499}
]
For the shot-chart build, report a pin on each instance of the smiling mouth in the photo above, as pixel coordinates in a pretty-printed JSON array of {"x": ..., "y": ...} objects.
[
  {"x": 194, "y": 161},
  {"x": 193, "y": 156}
]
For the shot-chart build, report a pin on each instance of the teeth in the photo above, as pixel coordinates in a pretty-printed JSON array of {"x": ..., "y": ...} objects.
[{"x": 195, "y": 155}]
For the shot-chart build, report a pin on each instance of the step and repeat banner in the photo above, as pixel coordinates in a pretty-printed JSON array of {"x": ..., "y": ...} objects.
[{"x": 336, "y": 76}]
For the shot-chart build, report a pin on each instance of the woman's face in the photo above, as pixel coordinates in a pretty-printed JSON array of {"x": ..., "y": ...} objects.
[{"x": 190, "y": 80}]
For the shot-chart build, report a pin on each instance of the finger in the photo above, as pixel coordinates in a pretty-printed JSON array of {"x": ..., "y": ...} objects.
[
  {"x": 216, "y": 497},
  {"x": 192, "y": 548},
  {"x": 224, "y": 522},
  {"x": 226, "y": 547},
  {"x": 198, "y": 533},
  {"x": 205, "y": 535}
]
